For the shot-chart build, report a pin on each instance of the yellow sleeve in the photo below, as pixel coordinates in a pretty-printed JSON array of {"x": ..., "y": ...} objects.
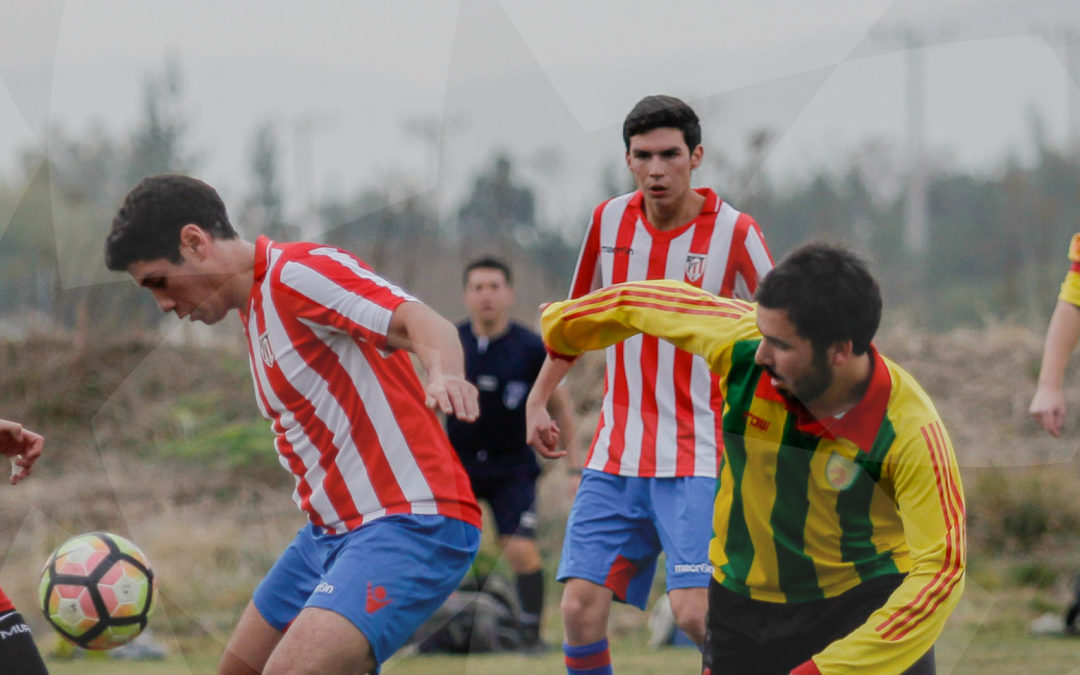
[
  {"x": 930, "y": 499},
  {"x": 1070, "y": 288},
  {"x": 684, "y": 315}
]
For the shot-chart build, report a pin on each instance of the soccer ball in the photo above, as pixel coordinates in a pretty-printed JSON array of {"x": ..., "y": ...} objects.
[{"x": 97, "y": 590}]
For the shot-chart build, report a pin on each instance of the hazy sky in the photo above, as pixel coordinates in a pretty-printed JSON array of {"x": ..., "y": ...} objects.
[{"x": 549, "y": 82}]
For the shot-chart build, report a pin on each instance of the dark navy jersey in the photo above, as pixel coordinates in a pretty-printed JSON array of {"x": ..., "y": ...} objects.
[{"x": 503, "y": 370}]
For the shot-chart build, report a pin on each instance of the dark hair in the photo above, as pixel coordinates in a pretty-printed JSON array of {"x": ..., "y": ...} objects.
[
  {"x": 828, "y": 294},
  {"x": 488, "y": 263},
  {"x": 147, "y": 226},
  {"x": 654, "y": 112}
]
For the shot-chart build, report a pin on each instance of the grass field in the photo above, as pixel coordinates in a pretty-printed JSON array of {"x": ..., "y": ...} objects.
[{"x": 991, "y": 653}]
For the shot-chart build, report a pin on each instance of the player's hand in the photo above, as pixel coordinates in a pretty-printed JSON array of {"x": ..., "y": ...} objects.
[
  {"x": 1048, "y": 409},
  {"x": 453, "y": 396},
  {"x": 542, "y": 433},
  {"x": 22, "y": 446}
]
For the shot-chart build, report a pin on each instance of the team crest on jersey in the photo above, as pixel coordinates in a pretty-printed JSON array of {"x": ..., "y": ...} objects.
[
  {"x": 840, "y": 472},
  {"x": 695, "y": 267},
  {"x": 266, "y": 350},
  {"x": 514, "y": 394}
]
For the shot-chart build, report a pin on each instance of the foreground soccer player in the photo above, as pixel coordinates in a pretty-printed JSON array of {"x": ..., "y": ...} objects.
[
  {"x": 393, "y": 525},
  {"x": 838, "y": 541},
  {"x": 649, "y": 478}
]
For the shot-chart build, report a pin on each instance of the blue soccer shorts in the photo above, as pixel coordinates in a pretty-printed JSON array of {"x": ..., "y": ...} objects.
[
  {"x": 619, "y": 524},
  {"x": 386, "y": 577}
]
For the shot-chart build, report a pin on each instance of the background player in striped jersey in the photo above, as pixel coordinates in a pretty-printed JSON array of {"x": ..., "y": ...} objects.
[
  {"x": 650, "y": 474},
  {"x": 839, "y": 541},
  {"x": 18, "y": 653},
  {"x": 1048, "y": 404},
  {"x": 393, "y": 525},
  {"x": 502, "y": 358}
]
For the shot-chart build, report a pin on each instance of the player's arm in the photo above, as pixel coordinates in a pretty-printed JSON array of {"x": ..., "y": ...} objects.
[
  {"x": 688, "y": 317},
  {"x": 561, "y": 410},
  {"x": 1048, "y": 404},
  {"x": 421, "y": 330},
  {"x": 22, "y": 446},
  {"x": 931, "y": 502},
  {"x": 541, "y": 431}
]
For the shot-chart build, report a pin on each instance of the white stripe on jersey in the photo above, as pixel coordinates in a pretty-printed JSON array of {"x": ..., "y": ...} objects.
[
  {"x": 354, "y": 306},
  {"x": 759, "y": 255}
]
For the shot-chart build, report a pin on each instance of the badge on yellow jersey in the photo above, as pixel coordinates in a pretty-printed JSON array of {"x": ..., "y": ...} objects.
[
  {"x": 840, "y": 472},
  {"x": 1074, "y": 248}
]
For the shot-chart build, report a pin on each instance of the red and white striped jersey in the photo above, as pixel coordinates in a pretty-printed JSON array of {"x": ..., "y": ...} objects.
[
  {"x": 662, "y": 407},
  {"x": 349, "y": 415}
]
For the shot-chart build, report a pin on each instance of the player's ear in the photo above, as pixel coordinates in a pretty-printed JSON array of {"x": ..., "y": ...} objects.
[
  {"x": 839, "y": 352},
  {"x": 193, "y": 241},
  {"x": 696, "y": 156}
]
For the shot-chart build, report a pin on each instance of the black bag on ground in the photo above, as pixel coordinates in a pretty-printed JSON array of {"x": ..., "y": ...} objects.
[{"x": 480, "y": 616}]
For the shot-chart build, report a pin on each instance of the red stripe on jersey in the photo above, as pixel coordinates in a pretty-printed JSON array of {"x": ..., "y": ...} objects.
[
  {"x": 650, "y": 350},
  {"x": 586, "y": 269},
  {"x": 620, "y": 391},
  {"x": 738, "y": 257},
  {"x": 683, "y": 370},
  {"x": 930, "y": 597},
  {"x": 5, "y": 602},
  {"x": 1075, "y": 267}
]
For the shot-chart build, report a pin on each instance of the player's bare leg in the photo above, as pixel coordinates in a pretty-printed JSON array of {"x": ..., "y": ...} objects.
[
  {"x": 321, "y": 641},
  {"x": 250, "y": 645},
  {"x": 689, "y": 606},
  {"x": 585, "y": 610}
]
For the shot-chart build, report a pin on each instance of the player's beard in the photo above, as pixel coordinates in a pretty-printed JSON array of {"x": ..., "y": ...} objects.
[{"x": 808, "y": 387}]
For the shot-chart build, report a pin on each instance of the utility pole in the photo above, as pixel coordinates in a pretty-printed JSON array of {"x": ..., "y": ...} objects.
[
  {"x": 304, "y": 127},
  {"x": 916, "y": 218},
  {"x": 1067, "y": 39}
]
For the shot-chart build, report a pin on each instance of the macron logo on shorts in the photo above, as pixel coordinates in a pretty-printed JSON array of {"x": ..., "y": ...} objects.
[
  {"x": 376, "y": 598},
  {"x": 695, "y": 568}
]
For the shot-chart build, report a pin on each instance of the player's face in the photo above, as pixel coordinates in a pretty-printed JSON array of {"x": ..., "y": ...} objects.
[
  {"x": 661, "y": 163},
  {"x": 797, "y": 369},
  {"x": 181, "y": 288},
  {"x": 488, "y": 297}
]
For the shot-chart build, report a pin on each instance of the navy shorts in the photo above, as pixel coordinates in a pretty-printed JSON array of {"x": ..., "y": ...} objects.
[
  {"x": 386, "y": 577},
  {"x": 619, "y": 524},
  {"x": 512, "y": 497}
]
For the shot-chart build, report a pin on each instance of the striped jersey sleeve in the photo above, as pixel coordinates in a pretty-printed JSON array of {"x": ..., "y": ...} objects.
[
  {"x": 1070, "y": 287},
  {"x": 922, "y": 471},
  {"x": 688, "y": 317}
]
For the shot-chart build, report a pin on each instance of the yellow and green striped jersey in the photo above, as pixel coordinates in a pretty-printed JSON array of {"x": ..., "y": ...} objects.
[
  {"x": 807, "y": 509},
  {"x": 1070, "y": 288}
]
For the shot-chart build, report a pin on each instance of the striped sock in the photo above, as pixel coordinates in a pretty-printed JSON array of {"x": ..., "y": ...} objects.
[{"x": 594, "y": 659}]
